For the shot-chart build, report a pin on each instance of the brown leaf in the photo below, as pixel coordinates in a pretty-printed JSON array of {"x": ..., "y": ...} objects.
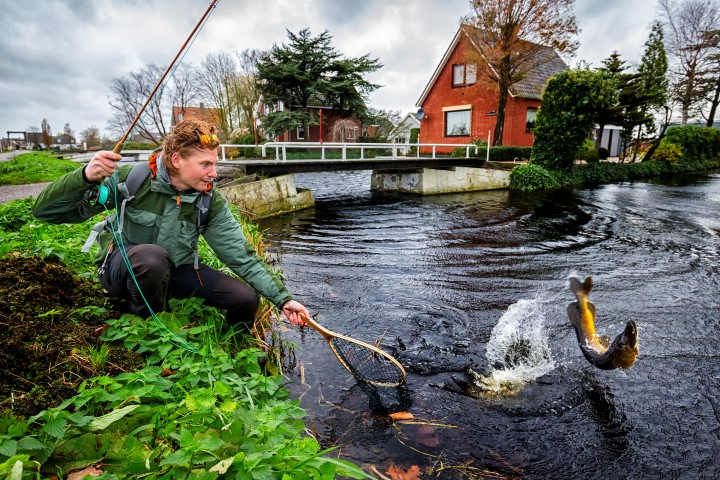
[
  {"x": 89, "y": 471},
  {"x": 427, "y": 436},
  {"x": 401, "y": 416},
  {"x": 99, "y": 331},
  {"x": 397, "y": 473}
]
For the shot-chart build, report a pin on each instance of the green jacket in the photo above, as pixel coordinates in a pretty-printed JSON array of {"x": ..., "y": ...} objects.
[{"x": 160, "y": 215}]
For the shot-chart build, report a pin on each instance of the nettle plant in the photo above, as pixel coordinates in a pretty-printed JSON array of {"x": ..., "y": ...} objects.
[{"x": 195, "y": 411}]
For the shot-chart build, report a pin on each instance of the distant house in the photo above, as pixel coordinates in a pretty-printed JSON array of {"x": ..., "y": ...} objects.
[
  {"x": 180, "y": 113},
  {"x": 64, "y": 142},
  {"x": 401, "y": 132},
  {"x": 459, "y": 109},
  {"x": 332, "y": 127}
]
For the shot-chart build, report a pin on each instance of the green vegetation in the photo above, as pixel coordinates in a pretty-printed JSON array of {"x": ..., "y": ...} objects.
[
  {"x": 202, "y": 407},
  {"x": 570, "y": 102},
  {"x": 34, "y": 167},
  {"x": 684, "y": 150},
  {"x": 501, "y": 153},
  {"x": 195, "y": 411}
]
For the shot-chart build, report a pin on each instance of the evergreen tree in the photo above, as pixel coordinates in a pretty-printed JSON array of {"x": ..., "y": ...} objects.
[
  {"x": 307, "y": 72},
  {"x": 653, "y": 71},
  {"x": 630, "y": 111}
]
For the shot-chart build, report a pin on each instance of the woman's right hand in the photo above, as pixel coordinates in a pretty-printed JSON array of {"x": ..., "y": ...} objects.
[{"x": 101, "y": 165}]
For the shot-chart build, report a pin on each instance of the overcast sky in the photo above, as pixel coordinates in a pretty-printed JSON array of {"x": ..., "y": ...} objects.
[{"x": 59, "y": 57}]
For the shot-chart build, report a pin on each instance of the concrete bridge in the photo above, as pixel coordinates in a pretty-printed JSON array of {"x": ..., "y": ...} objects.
[{"x": 266, "y": 186}]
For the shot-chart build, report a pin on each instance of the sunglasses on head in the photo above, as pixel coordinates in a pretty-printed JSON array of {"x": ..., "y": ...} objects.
[{"x": 202, "y": 139}]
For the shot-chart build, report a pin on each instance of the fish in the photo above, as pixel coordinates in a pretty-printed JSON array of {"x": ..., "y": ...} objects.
[{"x": 598, "y": 350}]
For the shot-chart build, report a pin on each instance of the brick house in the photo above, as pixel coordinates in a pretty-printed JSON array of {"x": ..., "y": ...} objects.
[
  {"x": 202, "y": 112},
  {"x": 332, "y": 127},
  {"x": 459, "y": 108}
]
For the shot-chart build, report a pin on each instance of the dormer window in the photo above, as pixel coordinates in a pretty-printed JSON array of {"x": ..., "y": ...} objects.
[{"x": 464, "y": 74}]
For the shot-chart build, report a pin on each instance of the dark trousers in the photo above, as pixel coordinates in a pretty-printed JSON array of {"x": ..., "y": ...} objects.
[{"x": 154, "y": 275}]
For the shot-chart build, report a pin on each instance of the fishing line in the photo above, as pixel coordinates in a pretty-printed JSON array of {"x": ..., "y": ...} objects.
[{"x": 117, "y": 236}]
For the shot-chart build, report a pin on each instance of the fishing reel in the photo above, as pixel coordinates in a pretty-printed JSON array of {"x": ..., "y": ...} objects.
[{"x": 98, "y": 195}]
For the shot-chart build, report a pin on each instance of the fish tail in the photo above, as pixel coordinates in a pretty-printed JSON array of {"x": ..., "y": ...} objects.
[{"x": 581, "y": 290}]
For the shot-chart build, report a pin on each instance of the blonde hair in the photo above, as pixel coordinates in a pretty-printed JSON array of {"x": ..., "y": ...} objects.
[{"x": 186, "y": 136}]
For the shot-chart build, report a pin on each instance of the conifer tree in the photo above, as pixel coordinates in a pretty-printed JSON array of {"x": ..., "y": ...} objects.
[{"x": 307, "y": 71}]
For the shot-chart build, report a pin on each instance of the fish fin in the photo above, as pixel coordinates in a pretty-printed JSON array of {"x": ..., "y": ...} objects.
[
  {"x": 604, "y": 341},
  {"x": 573, "y": 311},
  {"x": 581, "y": 288}
]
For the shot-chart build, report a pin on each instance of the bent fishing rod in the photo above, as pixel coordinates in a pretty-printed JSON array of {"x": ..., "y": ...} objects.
[{"x": 119, "y": 145}]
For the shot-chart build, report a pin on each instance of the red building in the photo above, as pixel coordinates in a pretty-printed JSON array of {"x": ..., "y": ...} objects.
[
  {"x": 180, "y": 113},
  {"x": 331, "y": 127},
  {"x": 458, "y": 107}
]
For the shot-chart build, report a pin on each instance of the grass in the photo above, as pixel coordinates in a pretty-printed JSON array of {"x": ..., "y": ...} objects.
[
  {"x": 203, "y": 406},
  {"x": 35, "y": 167}
]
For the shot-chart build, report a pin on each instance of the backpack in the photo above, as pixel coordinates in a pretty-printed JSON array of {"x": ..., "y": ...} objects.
[{"x": 129, "y": 188}]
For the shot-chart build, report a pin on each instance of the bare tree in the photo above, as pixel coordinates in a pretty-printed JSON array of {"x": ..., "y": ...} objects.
[
  {"x": 687, "y": 24},
  {"x": 68, "y": 136},
  {"x": 91, "y": 137},
  {"x": 184, "y": 90},
  {"x": 218, "y": 82},
  {"x": 512, "y": 36},
  {"x": 248, "y": 61},
  {"x": 710, "y": 81},
  {"x": 46, "y": 134},
  {"x": 128, "y": 96}
]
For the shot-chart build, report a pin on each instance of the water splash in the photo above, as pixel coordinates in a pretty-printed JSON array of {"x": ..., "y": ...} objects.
[{"x": 518, "y": 350}]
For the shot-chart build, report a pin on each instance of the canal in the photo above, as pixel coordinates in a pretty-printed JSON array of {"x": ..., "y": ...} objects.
[{"x": 455, "y": 282}]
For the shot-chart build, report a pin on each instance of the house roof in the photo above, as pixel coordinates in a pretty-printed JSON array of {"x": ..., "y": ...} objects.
[
  {"x": 202, "y": 112},
  {"x": 531, "y": 86}
]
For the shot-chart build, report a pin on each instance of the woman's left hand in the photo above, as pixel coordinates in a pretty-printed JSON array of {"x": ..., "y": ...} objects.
[{"x": 294, "y": 312}]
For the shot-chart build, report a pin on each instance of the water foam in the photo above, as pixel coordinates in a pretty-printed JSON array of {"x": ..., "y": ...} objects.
[{"x": 518, "y": 350}]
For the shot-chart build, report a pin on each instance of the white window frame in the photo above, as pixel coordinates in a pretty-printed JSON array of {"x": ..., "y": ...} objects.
[{"x": 449, "y": 112}]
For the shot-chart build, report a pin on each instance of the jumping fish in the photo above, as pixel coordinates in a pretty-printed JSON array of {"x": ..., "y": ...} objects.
[{"x": 621, "y": 353}]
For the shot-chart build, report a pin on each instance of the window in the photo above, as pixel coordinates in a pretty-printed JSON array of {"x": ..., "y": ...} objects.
[
  {"x": 463, "y": 74},
  {"x": 530, "y": 119},
  {"x": 457, "y": 123},
  {"x": 300, "y": 133}
]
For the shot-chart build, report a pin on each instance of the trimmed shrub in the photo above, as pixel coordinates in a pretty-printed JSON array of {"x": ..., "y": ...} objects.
[
  {"x": 667, "y": 152},
  {"x": 695, "y": 142},
  {"x": 532, "y": 177},
  {"x": 569, "y": 104},
  {"x": 603, "y": 153}
]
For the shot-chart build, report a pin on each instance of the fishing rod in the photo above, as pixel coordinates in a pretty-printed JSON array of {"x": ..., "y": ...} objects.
[{"x": 119, "y": 145}]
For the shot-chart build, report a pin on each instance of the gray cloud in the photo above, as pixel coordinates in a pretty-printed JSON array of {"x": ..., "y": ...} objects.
[{"x": 60, "y": 57}]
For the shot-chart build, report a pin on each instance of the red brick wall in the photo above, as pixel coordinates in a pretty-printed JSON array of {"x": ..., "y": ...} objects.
[{"x": 483, "y": 98}]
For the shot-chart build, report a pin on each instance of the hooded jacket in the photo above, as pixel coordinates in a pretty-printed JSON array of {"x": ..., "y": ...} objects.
[{"x": 161, "y": 215}]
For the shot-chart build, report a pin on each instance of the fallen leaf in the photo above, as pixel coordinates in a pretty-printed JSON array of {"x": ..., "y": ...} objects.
[
  {"x": 401, "y": 416},
  {"x": 426, "y": 435},
  {"x": 397, "y": 473},
  {"x": 90, "y": 471}
]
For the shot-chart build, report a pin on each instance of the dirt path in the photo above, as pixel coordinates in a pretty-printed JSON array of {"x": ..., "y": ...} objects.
[{"x": 13, "y": 192}]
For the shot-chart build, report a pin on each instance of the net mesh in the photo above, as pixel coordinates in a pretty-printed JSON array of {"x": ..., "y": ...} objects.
[{"x": 367, "y": 364}]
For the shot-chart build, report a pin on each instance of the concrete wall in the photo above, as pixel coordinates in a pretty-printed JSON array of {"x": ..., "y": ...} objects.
[
  {"x": 268, "y": 197},
  {"x": 428, "y": 181}
]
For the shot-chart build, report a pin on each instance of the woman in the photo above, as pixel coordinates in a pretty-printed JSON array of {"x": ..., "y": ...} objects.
[{"x": 159, "y": 225}]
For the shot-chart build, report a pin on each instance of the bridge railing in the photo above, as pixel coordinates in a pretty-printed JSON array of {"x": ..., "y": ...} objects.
[{"x": 281, "y": 148}]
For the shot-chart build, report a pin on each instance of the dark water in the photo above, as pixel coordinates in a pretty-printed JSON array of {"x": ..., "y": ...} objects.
[{"x": 443, "y": 280}]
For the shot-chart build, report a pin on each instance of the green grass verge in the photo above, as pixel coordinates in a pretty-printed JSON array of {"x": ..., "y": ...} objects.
[{"x": 35, "y": 167}]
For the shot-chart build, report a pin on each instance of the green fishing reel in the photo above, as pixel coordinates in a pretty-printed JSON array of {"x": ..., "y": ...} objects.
[{"x": 98, "y": 195}]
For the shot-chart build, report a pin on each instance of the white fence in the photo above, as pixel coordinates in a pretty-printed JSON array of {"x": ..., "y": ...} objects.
[{"x": 397, "y": 149}]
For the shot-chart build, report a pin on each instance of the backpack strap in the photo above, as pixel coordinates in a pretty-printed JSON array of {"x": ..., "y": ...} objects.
[{"x": 127, "y": 189}]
